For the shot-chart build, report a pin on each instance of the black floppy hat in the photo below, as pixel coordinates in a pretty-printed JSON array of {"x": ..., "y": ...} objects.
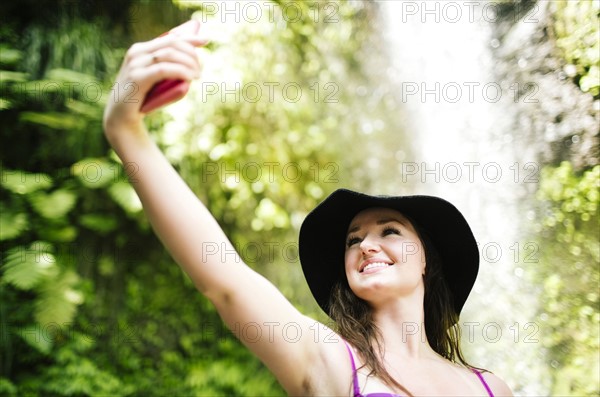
[{"x": 323, "y": 238}]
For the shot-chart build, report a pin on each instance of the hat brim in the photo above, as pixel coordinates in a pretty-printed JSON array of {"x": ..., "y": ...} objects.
[{"x": 323, "y": 236}]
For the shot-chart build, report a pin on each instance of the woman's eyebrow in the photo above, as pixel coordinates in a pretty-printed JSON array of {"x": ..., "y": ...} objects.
[
  {"x": 382, "y": 221},
  {"x": 353, "y": 229},
  {"x": 388, "y": 220}
]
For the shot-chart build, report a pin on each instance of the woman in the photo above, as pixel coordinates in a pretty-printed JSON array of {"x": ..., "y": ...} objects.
[{"x": 393, "y": 272}]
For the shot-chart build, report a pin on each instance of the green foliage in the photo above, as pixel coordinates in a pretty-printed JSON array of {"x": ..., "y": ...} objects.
[
  {"x": 7, "y": 388},
  {"x": 90, "y": 303},
  {"x": 12, "y": 223},
  {"x": 577, "y": 30},
  {"x": 569, "y": 275},
  {"x": 53, "y": 205},
  {"x": 21, "y": 182},
  {"x": 53, "y": 222},
  {"x": 50, "y": 48},
  {"x": 26, "y": 267},
  {"x": 94, "y": 173}
]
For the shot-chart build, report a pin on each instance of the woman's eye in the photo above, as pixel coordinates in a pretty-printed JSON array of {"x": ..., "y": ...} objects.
[
  {"x": 352, "y": 240},
  {"x": 390, "y": 230}
]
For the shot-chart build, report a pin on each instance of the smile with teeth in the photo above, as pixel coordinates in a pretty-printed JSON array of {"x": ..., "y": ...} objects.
[{"x": 375, "y": 265}]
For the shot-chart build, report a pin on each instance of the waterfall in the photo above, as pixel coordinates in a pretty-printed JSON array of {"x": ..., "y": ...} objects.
[{"x": 460, "y": 118}]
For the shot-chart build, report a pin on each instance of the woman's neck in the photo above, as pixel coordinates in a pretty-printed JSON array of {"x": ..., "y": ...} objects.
[{"x": 402, "y": 326}]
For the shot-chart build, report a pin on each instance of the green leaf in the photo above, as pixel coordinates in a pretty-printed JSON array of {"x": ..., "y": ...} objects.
[
  {"x": 70, "y": 76},
  {"x": 5, "y": 104},
  {"x": 98, "y": 222},
  {"x": 7, "y": 75},
  {"x": 84, "y": 109},
  {"x": 40, "y": 89},
  {"x": 54, "y": 205},
  {"x": 9, "y": 56},
  {"x": 7, "y": 388},
  {"x": 58, "y": 300},
  {"x": 35, "y": 338},
  {"x": 77, "y": 375},
  {"x": 125, "y": 196},
  {"x": 94, "y": 173},
  {"x": 25, "y": 267},
  {"x": 58, "y": 233},
  {"x": 12, "y": 224},
  {"x": 106, "y": 266},
  {"x": 22, "y": 182},
  {"x": 54, "y": 120}
]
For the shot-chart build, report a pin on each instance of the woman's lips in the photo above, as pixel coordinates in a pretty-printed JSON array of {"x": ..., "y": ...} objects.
[{"x": 375, "y": 266}]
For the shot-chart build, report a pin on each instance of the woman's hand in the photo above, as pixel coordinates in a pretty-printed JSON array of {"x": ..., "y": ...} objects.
[{"x": 167, "y": 57}]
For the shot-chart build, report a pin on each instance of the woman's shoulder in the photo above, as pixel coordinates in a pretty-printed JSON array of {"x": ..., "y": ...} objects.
[
  {"x": 329, "y": 366},
  {"x": 497, "y": 385}
]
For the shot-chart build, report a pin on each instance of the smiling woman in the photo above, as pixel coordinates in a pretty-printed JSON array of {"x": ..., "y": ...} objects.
[
  {"x": 370, "y": 262},
  {"x": 396, "y": 268}
]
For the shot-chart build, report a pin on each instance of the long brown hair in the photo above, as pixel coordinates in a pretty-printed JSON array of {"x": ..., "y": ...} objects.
[{"x": 354, "y": 318}]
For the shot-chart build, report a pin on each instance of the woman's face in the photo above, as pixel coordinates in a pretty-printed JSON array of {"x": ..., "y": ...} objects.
[{"x": 384, "y": 256}]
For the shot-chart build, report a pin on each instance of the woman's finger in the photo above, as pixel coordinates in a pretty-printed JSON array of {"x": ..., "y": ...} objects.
[
  {"x": 186, "y": 43},
  {"x": 172, "y": 50},
  {"x": 166, "y": 54},
  {"x": 154, "y": 73}
]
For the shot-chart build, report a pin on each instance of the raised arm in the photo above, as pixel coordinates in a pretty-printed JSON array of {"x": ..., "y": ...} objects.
[{"x": 279, "y": 335}]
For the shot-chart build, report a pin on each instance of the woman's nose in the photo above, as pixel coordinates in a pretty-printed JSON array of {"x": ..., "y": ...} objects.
[{"x": 369, "y": 244}]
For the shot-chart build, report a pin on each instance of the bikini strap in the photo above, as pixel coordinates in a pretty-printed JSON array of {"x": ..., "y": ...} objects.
[
  {"x": 354, "y": 377},
  {"x": 489, "y": 391}
]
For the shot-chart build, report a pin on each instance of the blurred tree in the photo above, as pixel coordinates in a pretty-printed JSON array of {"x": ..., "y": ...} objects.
[
  {"x": 51, "y": 112},
  {"x": 567, "y": 230},
  {"x": 578, "y": 37},
  {"x": 569, "y": 274}
]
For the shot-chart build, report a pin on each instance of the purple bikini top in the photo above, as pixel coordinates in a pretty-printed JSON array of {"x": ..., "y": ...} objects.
[{"x": 357, "y": 389}]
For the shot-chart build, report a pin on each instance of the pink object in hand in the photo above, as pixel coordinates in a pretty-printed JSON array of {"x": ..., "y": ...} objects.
[{"x": 169, "y": 90}]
